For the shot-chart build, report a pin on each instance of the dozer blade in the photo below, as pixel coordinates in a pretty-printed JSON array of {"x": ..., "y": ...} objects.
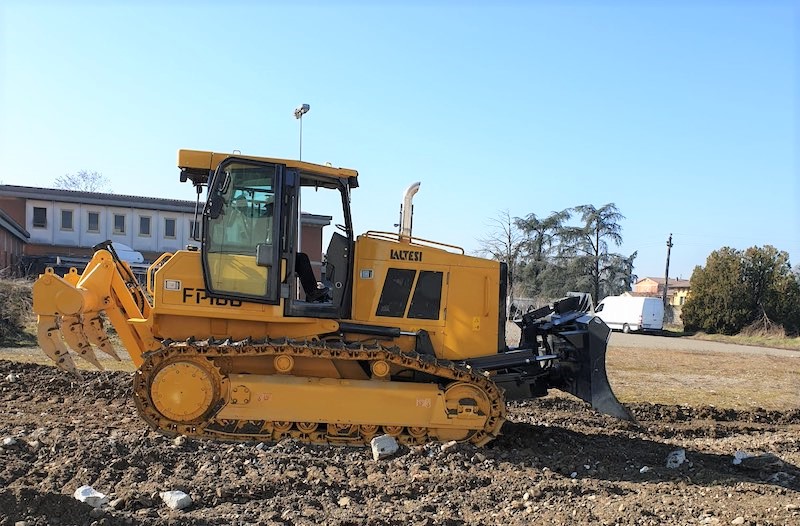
[
  {"x": 589, "y": 381},
  {"x": 72, "y": 330},
  {"x": 571, "y": 345},
  {"x": 49, "y": 336}
]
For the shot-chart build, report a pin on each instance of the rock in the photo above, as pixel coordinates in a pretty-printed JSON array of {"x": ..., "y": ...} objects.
[
  {"x": 676, "y": 458},
  {"x": 782, "y": 478},
  {"x": 383, "y": 446},
  {"x": 179, "y": 440},
  {"x": 20, "y": 523},
  {"x": 739, "y": 456},
  {"x": 90, "y": 496},
  {"x": 449, "y": 445},
  {"x": 176, "y": 500},
  {"x": 12, "y": 377},
  {"x": 763, "y": 462},
  {"x": 96, "y": 513},
  {"x": 644, "y": 469},
  {"x": 117, "y": 504},
  {"x": 344, "y": 502},
  {"x": 738, "y": 520},
  {"x": 9, "y": 441}
]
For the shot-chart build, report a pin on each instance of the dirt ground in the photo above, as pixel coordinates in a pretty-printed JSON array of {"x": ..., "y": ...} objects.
[{"x": 557, "y": 462}]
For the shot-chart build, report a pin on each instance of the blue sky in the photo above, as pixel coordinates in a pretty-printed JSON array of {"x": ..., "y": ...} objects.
[{"x": 684, "y": 114}]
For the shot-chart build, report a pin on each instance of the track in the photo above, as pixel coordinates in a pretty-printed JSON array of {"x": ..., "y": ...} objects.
[{"x": 212, "y": 411}]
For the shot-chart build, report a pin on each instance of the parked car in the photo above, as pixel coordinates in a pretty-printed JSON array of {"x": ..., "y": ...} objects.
[{"x": 631, "y": 313}]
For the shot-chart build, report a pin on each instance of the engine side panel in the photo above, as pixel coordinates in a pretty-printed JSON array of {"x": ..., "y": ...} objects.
[{"x": 453, "y": 297}]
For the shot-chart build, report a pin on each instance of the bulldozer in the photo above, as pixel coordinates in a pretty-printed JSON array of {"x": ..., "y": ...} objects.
[{"x": 236, "y": 338}]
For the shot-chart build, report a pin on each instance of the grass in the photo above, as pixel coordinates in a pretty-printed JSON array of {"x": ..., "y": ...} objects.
[
  {"x": 775, "y": 342},
  {"x": 758, "y": 341},
  {"x": 736, "y": 381}
]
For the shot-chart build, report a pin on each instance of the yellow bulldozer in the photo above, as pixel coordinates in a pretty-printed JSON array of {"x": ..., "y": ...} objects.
[{"x": 238, "y": 339}]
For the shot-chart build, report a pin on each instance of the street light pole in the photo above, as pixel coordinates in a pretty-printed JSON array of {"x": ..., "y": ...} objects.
[{"x": 298, "y": 114}]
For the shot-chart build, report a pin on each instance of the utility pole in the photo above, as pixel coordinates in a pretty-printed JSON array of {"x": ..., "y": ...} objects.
[{"x": 666, "y": 273}]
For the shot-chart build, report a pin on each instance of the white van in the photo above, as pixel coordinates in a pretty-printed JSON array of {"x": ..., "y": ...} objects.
[{"x": 631, "y": 313}]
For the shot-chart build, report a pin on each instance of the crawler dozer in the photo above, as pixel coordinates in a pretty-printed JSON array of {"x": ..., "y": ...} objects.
[{"x": 394, "y": 335}]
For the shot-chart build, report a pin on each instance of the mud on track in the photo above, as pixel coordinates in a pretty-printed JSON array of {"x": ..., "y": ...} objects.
[{"x": 556, "y": 463}]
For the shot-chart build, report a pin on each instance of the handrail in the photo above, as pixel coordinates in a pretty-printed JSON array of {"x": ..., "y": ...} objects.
[
  {"x": 392, "y": 236},
  {"x": 151, "y": 270}
]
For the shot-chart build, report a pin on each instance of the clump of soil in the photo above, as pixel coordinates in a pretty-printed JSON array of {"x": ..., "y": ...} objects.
[{"x": 557, "y": 462}]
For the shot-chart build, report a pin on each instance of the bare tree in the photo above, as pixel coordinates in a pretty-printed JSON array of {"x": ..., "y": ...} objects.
[
  {"x": 84, "y": 181},
  {"x": 504, "y": 243}
]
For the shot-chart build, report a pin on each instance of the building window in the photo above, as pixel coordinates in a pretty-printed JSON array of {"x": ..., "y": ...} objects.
[
  {"x": 194, "y": 229},
  {"x": 66, "y": 220},
  {"x": 144, "y": 226},
  {"x": 119, "y": 224},
  {"x": 93, "y": 222},
  {"x": 169, "y": 227},
  {"x": 39, "y": 217}
]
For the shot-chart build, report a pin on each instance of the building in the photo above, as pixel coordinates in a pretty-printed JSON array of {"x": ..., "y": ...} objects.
[
  {"x": 52, "y": 224},
  {"x": 677, "y": 289},
  {"x": 12, "y": 243}
]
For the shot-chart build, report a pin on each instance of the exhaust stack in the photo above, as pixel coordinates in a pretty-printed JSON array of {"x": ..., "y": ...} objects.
[{"x": 407, "y": 209}]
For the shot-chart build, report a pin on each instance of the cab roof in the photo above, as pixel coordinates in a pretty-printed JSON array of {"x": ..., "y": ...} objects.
[{"x": 199, "y": 166}]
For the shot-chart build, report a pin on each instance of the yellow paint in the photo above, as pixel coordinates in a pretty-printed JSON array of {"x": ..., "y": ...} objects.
[
  {"x": 292, "y": 398},
  {"x": 194, "y": 159},
  {"x": 469, "y": 309}
]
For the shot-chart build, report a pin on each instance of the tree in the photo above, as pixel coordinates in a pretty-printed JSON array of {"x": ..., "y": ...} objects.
[
  {"x": 548, "y": 258},
  {"x": 83, "y": 181},
  {"x": 503, "y": 243},
  {"x": 589, "y": 245},
  {"x": 541, "y": 236},
  {"x": 772, "y": 288},
  {"x": 737, "y": 289}
]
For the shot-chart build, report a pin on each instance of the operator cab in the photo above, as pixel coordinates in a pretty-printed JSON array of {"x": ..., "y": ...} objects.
[{"x": 254, "y": 246}]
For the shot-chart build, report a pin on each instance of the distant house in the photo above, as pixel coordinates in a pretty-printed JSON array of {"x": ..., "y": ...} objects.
[
  {"x": 677, "y": 289},
  {"x": 52, "y": 223}
]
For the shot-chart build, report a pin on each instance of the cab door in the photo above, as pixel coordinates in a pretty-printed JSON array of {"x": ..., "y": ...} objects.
[{"x": 241, "y": 231}]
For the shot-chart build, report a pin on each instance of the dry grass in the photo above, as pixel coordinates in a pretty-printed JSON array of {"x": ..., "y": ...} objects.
[
  {"x": 758, "y": 341},
  {"x": 35, "y": 355},
  {"x": 726, "y": 380},
  {"x": 16, "y": 311}
]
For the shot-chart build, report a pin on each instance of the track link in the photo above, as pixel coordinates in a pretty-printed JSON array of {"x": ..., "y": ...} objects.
[{"x": 203, "y": 354}]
